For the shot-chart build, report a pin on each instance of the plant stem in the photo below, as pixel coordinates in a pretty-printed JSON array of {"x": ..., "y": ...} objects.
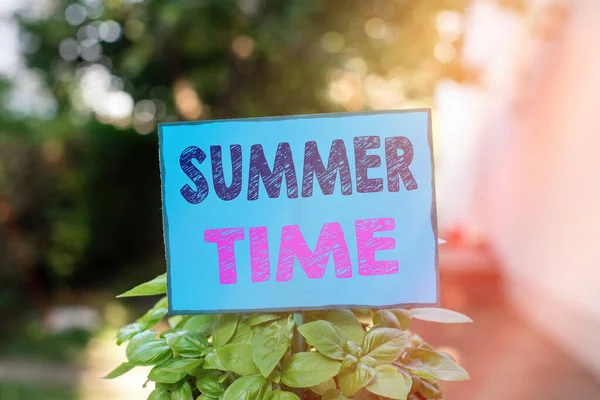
[{"x": 298, "y": 343}]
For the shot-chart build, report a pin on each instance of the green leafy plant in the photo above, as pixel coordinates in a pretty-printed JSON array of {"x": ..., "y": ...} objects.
[{"x": 346, "y": 354}]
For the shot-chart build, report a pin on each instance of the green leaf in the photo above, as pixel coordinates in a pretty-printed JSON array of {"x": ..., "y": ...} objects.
[
  {"x": 157, "y": 285},
  {"x": 326, "y": 338},
  {"x": 249, "y": 387},
  {"x": 188, "y": 343},
  {"x": 182, "y": 364},
  {"x": 161, "y": 375},
  {"x": 151, "y": 318},
  {"x": 364, "y": 394},
  {"x": 151, "y": 353},
  {"x": 432, "y": 365},
  {"x": 159, "y": 393},
  {"x": 333, "y": 394},
  {"x": 176, "y": 320},
  {"x": 129, "y": 331},
  {"x": 349, "y": 362},
  {"x": 224, "y": 377},
  {"x": 168, "y": 332},
  {"x": 146, "y": 321},
  {"x": 162, "y": 303},
  {"x": 441, "y": 315},
  {"x": 385, "y": 318},
  {"x": 384, "y": 345},
  {"x": 404, "y": 317},
  {"x": 324, "y": 386},
  {"x": 345, "y": 321},
  {"x": 430, "y": 390},
  {"x": 390, "y": 383},
  {"x": 237, "y": 357},
  {"x": 203, "y": 324},
  {"x": 208, "y": 384},
  {"x": 270, "y": 342},
  {"x": 352, "y": 381},
  {"x": 275, "y": 376},
  {"x": 354, "y": 349},
  {"x": 243, "y": 332},
  {"x": 308, "y": 369},
  {"x": 207, "y": 397},
  {"x": 224, "y": 328},
  {"x": 279, "y": 394},
  {"x": 144, "y": 351},
  {"x": 212, "y": 361},
  {"x": 139, "y": 339},
  {"x": 260, "y": 318},
  {"x": 184, "y": 392},
  {"x": 120, "y": 370}
]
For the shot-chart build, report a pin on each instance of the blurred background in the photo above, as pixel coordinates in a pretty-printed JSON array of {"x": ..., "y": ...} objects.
[{"x": 512, "y": 85}]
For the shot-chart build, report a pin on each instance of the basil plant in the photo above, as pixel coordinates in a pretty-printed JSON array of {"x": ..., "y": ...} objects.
[{"x": 255, "y": 356}]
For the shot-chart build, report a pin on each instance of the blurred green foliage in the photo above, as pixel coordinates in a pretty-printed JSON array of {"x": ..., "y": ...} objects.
[
  {"x": 43, "y": 346},
  {"x": 17, "y": 392}
]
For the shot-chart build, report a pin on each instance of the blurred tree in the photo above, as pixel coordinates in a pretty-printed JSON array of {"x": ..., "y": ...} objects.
[{"x": 79, "y": 184}]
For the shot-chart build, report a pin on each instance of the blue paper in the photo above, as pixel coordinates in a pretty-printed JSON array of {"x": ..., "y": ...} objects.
[{"x": 221, "y": 203}]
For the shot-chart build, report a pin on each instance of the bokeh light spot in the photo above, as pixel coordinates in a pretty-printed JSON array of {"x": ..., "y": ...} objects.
[
  {"x": 134, "y": 28},
  {"x": 75, "y": 14},
  {"x": 90, "y": 50},
  {"x": 109, "y": 31},
  {"x": 91, "y": 3},
  {"x": 332, "y": 42},
  {"x": 249, "y": 7},
  {"x": 88, "y": 31},
  {"x": 243, "y": 46},
  {"x": 187, "y": 100},
  {"x": 69, "y": 49},
  {"x": 144, "y": 110},
  {"x": 345, "y": 89},
  {"x": 449, "y": 25},
  {"x": 444, "y": 52},
  {"x": 119, "y": 104},
  {"x": 376, "y": 28},
  {"x": 357, "y": 65}
]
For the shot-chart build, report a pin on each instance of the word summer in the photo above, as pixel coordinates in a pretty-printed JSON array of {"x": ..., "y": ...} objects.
[
  {"x": 398, "y": 157},
  {"x": 331, "y": 241}
]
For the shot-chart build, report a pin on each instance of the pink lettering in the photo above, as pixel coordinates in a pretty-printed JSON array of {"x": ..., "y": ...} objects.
[
  {"x": 225, "y": 239},
  {"x": 367, "y": 245},
  {"x": 331, "y": 240},
  {"x": 259, "y": 254}
]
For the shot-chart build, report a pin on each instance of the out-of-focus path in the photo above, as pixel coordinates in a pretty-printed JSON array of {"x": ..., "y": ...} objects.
[{"x": 82, "y": 381}]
